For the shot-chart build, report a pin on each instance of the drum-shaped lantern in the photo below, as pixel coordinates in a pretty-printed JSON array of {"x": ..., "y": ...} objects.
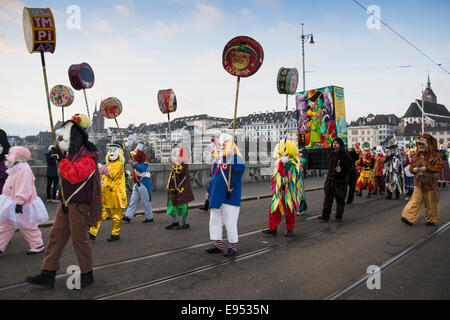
[
  {"x": 81, "y": 76},
  {"x": 39, "y": 29},
  {"x": 111, "y": 108},
  {"x": 242, "y": 56},
  {"x": 61, "y": 96},
  {"x": 167, "y": 101},
  {"x": 287, "y": 80}
]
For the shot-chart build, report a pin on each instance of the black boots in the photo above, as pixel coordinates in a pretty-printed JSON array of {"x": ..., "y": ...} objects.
[
  {"x": 406, "y": 221},
  {"x": 270, "y": 231},
  {"x": 45, "y": 279},
  {"x": 173, "y": 225},
  {"x": 113, "y": 238},
  {"x": 86, "y": 279},
  {"x": 126, "y": 219}
]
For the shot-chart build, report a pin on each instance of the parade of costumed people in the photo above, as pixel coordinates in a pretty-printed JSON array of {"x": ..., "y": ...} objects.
[
  {"x": 378, "y": 171},
  {"x": 224, "y": 194},
  {"x": 394, "y": 171},
  {"x": 20, "y": 207},
  {"x": 142, "y": 186},
  {"x": 409, "y": 176},
  {"x": 444, "y": 174},
  {"x": 366, "y": 177},
  {"x": 335, "y": 187},
  {"x": 424, "y": 165},
  {"x": 114, "y": 196},
  {"x": 287, "y": 188},
  {"x": 80, "y": 205},
  {"x": 4, "y": 149},
  {"x": 179, "y": 189}
]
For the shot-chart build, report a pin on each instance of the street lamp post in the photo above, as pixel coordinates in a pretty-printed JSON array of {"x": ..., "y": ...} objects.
[{"x": 305, "y": 38}]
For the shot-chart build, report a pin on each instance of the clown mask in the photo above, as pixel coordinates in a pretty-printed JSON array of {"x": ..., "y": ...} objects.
[
  {"x": 113, "y": 153},
  {"x": 63, "y": 136}
]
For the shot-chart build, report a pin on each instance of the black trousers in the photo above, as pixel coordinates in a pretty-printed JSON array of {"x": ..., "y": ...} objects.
[
  {"x": 351, "y": 189},
  {"x": 51, "y": 192},
  {"x": 333, "y": 191}
]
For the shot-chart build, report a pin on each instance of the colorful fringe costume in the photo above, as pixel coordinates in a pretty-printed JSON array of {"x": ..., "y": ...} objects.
[{"x": 287, "y": 187}]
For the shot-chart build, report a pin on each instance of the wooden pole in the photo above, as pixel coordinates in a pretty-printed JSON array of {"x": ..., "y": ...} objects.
[
  {"x": 234, "y": 128},
  {"x": 44, "y": 71},
  {"x": 123, "y": 141}
]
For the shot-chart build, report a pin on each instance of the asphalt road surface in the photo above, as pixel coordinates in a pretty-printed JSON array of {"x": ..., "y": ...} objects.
[{"x": 322, "y": 260}]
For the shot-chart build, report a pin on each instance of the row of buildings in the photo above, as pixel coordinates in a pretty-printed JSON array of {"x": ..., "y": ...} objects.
[
  {"x": 381, "y": 128},
  {"x": 258, "y": 132}
]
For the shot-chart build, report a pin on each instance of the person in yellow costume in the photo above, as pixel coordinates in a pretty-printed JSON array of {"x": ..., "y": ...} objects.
[{"x": 114, "y": 196}]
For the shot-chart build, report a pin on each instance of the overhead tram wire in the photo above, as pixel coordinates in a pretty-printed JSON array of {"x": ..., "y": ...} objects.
[
  {"x": 375, "y": 68},
  {"x": 403, "y": 38}
]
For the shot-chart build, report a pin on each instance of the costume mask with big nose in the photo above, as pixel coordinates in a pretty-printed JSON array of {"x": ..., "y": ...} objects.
[
  {"x": 113, "y": 153},
  {"x": 63, "y": 136},
  {"x": 422, "y": 145}
]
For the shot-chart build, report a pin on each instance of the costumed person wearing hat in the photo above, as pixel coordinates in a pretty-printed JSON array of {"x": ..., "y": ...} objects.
[
  {"x": 444, "y": 174},
  {"x": 378, "y": 171},
  {"x": 409, "y": 176},
  {"x": 287, "y": 188},
  {"x": 367, "y": 177},
  {"x": 424, "y": 164},
  {"x": 20, "y": 207},
  {"x": 4, "y": 149},
  {"x": 114, "y": 195},
  {"x": 394, "y": 171},
  {"x": 179, "y": 190},
  {"x": 80, "y": 205},
  {"x": 142, "y": 187},
  {"x": 335, "y": 186},
  {"x": 225, "y": 195}
]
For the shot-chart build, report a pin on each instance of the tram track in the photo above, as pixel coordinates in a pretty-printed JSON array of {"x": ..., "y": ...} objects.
[
  {"x": 351, "y": 287},
  {"x": 193, "y": 271}
]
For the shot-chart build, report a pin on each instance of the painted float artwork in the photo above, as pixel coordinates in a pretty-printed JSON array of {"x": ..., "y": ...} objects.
[{"x": 321, "y": 117}]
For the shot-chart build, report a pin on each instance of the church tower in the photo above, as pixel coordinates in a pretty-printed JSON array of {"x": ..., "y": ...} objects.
[
  {"x": 428, "y": 94},
  {"x": 98, "y": 121}
]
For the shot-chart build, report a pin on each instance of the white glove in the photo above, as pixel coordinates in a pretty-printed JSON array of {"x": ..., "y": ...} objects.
[{"x": 285, "y": 159}]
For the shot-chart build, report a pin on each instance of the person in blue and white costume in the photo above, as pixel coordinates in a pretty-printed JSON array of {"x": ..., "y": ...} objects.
[
  {"x": 142, "y": 188},
  {"x": 224, "y": 200}
]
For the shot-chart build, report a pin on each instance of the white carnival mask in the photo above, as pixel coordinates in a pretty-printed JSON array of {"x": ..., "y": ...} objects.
[
  {"x": 113, "y": 153},
  {"x": 63, "y": 136}
]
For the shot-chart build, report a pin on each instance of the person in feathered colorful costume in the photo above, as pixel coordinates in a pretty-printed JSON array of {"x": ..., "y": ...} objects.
[
  {"x": 142, "y": 188},
  {"x": 20, "y": 207},
  {"x": 114, "y": 193},
  {"x": 179, "y": 190},
  {"x": 394, "y": 171},
  {"x": 367, "y": 177},
  {"x": 82, "y": 205},
  {"x": 424, "y": 164},
  {"x": 378, "y": 171},
  {"x": 287, "y": 188},
  {"x": 224, "y": 196}
]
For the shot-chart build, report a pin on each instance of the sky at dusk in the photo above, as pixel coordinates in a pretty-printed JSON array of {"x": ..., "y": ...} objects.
[{"x": 138, "y": 47}]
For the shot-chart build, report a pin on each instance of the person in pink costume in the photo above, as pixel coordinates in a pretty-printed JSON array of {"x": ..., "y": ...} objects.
[{"x": 20, "y": 207}]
